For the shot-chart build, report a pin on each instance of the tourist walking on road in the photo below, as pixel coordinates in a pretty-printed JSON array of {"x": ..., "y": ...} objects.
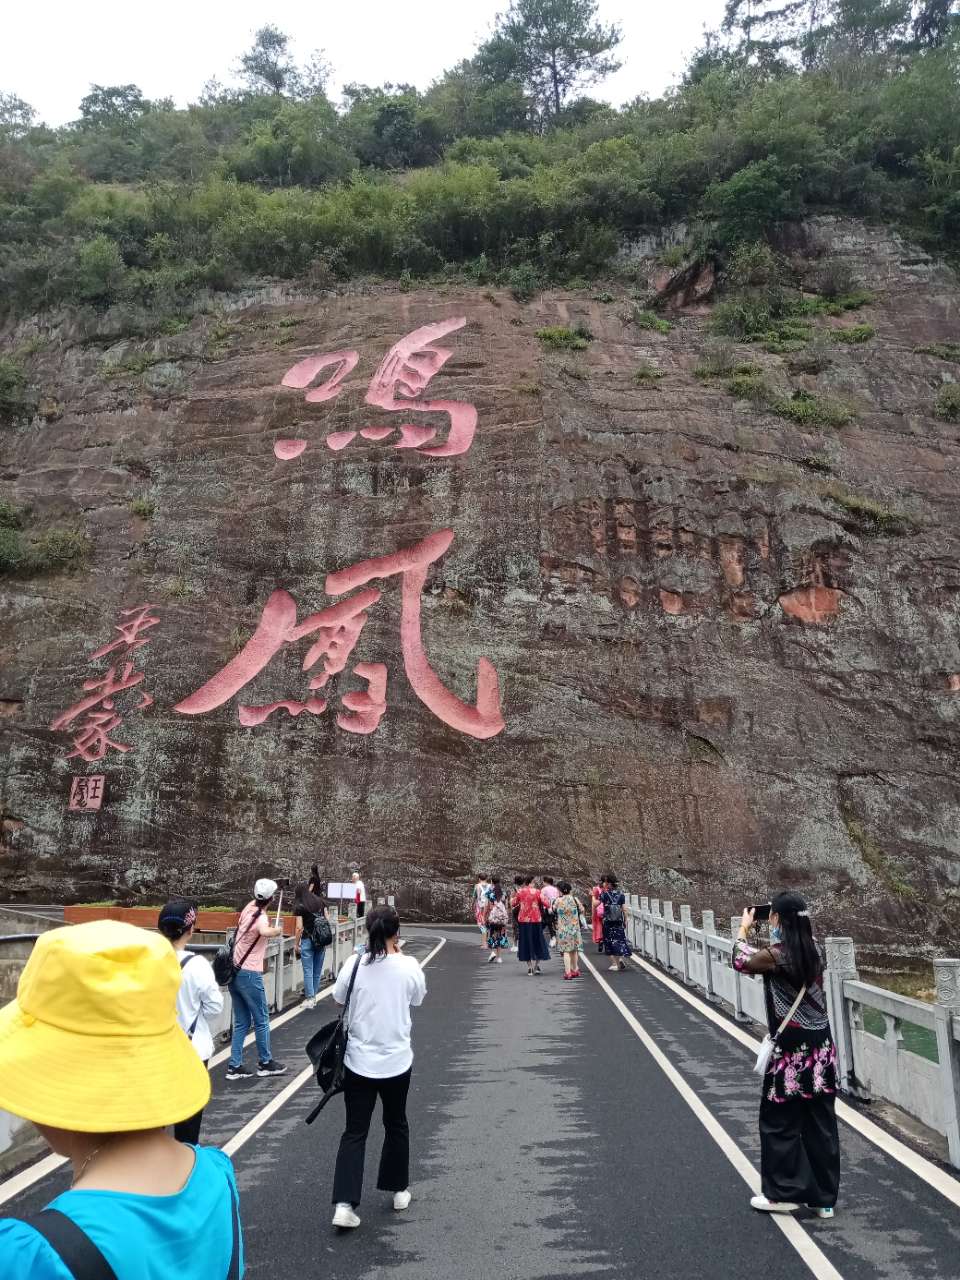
[
  {"x": 311, "y": 936},
  {"x": 496, "y": 919},
  {"x": 548, "y": 897},
  {"x": 247, "y": 990},
  {"x": 378, "y": 1062},
  {"x": 480, "y": 905},
  {"x": 515, "y": 912},
  {"x": 799, "y": 1143},
  {"x": 570, "y": 922},
  {"x": 596, "y": 916},
  {"x": 91, "y": 1052},
  {"x": 532, "y": 947},
  {"x": 615, "y": 942},
  {"x": 198, "y": 999}
]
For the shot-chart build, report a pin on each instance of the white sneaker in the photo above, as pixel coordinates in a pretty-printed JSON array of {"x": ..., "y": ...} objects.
[
  {"x": 772, "y": 1206},
  {"x": 553, "y": 942},
  {"x": 514, "y": 948},
  {"x": 401, "y": 1200},
  {"x": 820, "y": 1212},
  {"x": 345, "y": 1217},
  {"x": 499, "y": 959},
  {"x": 493, "y": 958}
]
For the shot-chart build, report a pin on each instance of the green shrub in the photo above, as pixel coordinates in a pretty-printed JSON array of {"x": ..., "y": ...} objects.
[
  {"x": 835, "y": 279},
  {"x": 869, "y": 516},
  {"x": 130, "y": 366},
  {"x": 57, "y": 549},
  {"x": 604, "y": 297},
  {"x": 11, "y": 551},
  {"x": 942, "y": 350},
  {"x": 816, "y": 462},
  {"x": 947, "y": 403},
  {"x": 143, "y": 508},
  {"x": 11, "y": 517},
  {"x": 673, "y": 257},
  {"x": 14, "y": 401},
  {"x": 523, "y": 282},
  {"x": 751, "y": 386},
  {"x": 642, "y": 318},
  {"x": 647, "y": 376},
  {"x": 809, "y": 410},
  {"x": 558, "y": 338},
  {"x": 855, "y": 334},
  {"x": 100, "y": 270}
]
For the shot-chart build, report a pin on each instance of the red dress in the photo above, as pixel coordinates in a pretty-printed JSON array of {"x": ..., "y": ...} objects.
[{"x": 596, "y": 919}]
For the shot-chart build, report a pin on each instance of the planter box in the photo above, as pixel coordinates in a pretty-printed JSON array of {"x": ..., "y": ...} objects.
[{"x": 146, "y": 918}]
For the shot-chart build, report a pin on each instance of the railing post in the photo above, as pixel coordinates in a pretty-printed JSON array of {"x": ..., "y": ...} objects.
[
  {"x": 654, "y": 917},
  {"x": 644, "y": 913},
  {"x": 841, "y": 968},
  {"x": 281, "y": 967},
  {"x": 737, "y": 993},
  {"x": 946, "y": 977},
  {"x": 709, "y": 925},
  {"x": 686, "y": 921}
]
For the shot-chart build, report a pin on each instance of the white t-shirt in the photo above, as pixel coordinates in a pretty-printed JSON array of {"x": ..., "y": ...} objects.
[
  {"x": 378, "y": 1020},
  {"x": 359, "y": 888},
  {"x": 198, "y": 994}
]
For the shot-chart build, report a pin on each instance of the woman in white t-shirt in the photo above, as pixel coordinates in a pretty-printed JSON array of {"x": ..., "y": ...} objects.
[
  {"x": 378, "y": 1063},
  {"x": 198, "y": 999}
]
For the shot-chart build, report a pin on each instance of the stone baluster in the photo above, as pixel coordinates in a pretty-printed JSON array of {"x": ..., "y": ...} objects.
[
  {"x": 708, "y": 923},
  {"x": 737, "y": 977},
  {"x": 686, "y": 922},
  {"x": 946, "y": 977},
  {"x": 654, "y": 928},
  {"x": 841, "y": 968}
]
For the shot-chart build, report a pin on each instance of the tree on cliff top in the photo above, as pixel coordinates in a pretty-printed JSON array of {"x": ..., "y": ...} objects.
[
  {"x": 551, "y": 47},
  {"x": 268, "y": 67}
]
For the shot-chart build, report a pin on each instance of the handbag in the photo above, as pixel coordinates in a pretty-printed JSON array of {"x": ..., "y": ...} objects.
[
  {"x": 225, "y": 969},
  {"x": 769, "y": 1043},
  {"x": 327, "y": 1049}
]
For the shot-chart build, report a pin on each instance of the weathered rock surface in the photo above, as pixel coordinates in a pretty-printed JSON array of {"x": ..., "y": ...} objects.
[{"x": 716, "y": 674}]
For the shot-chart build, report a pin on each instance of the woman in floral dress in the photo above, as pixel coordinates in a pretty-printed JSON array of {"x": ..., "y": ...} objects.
[
  {"x": 569, "y": 925},
  {"x": 480, "y": 906},
  {"x": 799, "y": 1143},
  {"x": 496, "y": 917}
]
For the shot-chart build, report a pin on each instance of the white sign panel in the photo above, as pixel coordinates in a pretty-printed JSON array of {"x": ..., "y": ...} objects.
[{"x": 339, "y": 891}]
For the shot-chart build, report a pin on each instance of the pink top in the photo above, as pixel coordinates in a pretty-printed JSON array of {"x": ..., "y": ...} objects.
[
  {"x": 245, "y": 936},
  {"x": 549, "y": 893}
]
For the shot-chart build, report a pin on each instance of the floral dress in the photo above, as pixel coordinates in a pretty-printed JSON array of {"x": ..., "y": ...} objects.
[
  {"x": 497, "y": 918},
  {"x": 569, "y": 923}
]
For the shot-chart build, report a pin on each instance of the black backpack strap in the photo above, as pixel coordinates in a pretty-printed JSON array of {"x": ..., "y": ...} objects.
[
  {"x": 233, "y": 950},
  {"x": 72, "y": 1245}
]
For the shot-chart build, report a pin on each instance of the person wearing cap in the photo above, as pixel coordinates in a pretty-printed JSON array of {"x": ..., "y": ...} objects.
[
  {"x": 91, "y": 1052},
  {"x": 198, "y": 999},
  {"x": 799, "y": 1142},
  {"x": 247, "y": 990}
]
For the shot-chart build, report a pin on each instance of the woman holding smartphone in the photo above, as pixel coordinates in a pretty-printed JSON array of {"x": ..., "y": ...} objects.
[{"x": 799, "y": 1143}]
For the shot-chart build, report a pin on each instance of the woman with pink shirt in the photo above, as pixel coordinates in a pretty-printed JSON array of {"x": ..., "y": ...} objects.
[
  {"x": 247, "y": 990},
  {"x": 533, "y": 947}
]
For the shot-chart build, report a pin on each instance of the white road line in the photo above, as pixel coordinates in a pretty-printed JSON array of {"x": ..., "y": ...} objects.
[
  {"x": 938, "y": 1179},
  {"x": 273, "y": 1106},
  {"x": 35, "y": 1173},
  {"x": 818, "y": 1263}
]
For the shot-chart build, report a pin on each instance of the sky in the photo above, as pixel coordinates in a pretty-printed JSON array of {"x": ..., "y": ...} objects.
[{"x": 51, "y": 52}]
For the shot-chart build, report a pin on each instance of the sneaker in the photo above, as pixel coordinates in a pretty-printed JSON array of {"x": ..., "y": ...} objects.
[
  {"x": 538, "y": 972},
  {"x": 499, "y": 959},
  {"x": 345, "y": 1217},
  {"x": 271, "y": 1068},
  {"x": 239, "y": 1073},
  {"x": 772, "y": 1206},
  {"x": 514, "y": 948},
  {"x": 819, "y": 1212},
  {"x": 553, "y": 942},
  {"x": 401, "y": 1200}
]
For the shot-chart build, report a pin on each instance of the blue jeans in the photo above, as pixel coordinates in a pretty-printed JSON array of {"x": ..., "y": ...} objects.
[
  {"x": 249, "y": 1005},
  {"x": 311, "y": 957}
]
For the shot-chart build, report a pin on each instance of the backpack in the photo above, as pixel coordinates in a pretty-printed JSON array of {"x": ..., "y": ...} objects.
[
  {"x": 225, "y": 969},
  {"x": 497, "y": 915},
  {"x": 321, "y": 935},
  {"x": 612, "y": 913}
]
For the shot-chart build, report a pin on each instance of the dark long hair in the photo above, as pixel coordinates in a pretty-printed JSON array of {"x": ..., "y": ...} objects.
[
  {"x": 382, "y": 923},
  {"x": 496, "y": 888},
  {"x": 802, "y": 958},
  {"x": 308, "y": 898},
  {"x": 315, "y": 883}
]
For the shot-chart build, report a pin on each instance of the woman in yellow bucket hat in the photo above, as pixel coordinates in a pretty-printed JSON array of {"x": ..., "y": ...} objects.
[{"x": 91, "y": 1052}]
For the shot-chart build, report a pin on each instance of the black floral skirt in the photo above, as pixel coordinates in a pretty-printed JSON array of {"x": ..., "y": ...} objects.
[{"x": 803, "y": 1066}]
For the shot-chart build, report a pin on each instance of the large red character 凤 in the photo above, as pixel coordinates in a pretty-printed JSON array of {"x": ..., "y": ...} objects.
[{"x": 338, "y": 628}]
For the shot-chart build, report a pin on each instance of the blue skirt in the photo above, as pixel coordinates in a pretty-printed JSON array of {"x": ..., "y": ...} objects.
[{"x": 532, "y": 945}]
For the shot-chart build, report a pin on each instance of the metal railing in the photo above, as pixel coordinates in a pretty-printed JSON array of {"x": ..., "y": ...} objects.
[{"x": 889, "y": 1046}]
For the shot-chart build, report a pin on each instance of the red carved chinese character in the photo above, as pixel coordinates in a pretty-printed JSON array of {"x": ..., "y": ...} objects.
[
  {"x": 93, "y": 740},
  {"x": 86, "y": 792},
  {"x": 140, "y": 620},
  {"x": 339, "y": 628},
  {"x": 403, "y": 375},
  {"x": 102, "y": 690}
]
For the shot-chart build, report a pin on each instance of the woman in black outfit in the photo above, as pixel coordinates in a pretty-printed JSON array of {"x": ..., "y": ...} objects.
[{"x": 799, "y": 1143}]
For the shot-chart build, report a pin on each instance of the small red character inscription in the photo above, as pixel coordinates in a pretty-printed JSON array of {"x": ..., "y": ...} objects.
[
  {"x": 86, "y": 793},
  {"x": 338, "y": 629}
]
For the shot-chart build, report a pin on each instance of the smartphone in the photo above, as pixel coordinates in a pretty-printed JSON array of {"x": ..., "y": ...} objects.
[{"x": 761, "y": 913}]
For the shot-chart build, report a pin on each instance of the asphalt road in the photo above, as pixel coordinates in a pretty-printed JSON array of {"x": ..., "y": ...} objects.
[{"x": 548, "y": 1142}]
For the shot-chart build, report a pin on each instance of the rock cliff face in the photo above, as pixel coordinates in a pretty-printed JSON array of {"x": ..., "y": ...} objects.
[{"x": 724, "y": 646}]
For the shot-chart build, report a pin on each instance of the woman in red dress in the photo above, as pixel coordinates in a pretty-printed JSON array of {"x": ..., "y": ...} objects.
[
  {"x": 533, "y": 945},
  {"x": 596, "y": 915}
]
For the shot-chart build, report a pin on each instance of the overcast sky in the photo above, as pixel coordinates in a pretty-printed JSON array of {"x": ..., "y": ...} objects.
[{"x": 52, "y": 50}]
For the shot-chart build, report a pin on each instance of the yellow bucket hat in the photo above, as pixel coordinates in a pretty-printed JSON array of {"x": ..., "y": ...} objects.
[{"x": 91, "y": 1042}]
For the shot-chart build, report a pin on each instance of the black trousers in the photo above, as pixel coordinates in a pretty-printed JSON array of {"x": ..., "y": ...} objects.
[
  {"x": 360, "y": 1095},
  {"x": 800, "y": 1151},
  {"x": 189, "y": 1130}
]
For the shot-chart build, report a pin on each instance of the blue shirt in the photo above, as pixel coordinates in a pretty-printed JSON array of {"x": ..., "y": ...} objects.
[{"x": 188, "y": 1235}]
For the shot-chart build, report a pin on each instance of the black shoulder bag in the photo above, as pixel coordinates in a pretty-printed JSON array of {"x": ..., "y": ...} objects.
[
  {"x": 327, "y": 1049},
  {"x": 184, "y": 961},
  {"x": 225, "y": 969}
]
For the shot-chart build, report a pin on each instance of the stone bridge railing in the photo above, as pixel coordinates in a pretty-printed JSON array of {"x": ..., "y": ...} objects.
[{"x": 891, "y": 1047}]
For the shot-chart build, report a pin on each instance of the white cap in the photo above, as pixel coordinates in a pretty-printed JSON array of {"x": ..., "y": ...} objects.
[{"x": 264, "y": 889}]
